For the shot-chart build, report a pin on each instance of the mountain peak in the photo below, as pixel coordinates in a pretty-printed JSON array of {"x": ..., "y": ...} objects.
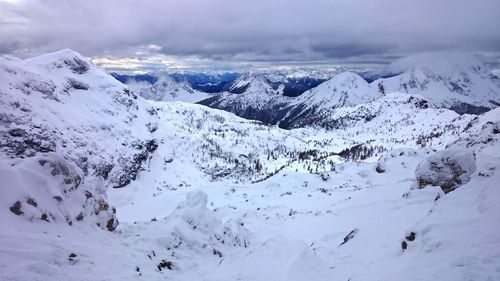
[
  {"x": 65, "y": 58},
  {"x": 454, "y": 80},
  {"x": 344, "y": 89},
  {"x": 348, "y": 80}
]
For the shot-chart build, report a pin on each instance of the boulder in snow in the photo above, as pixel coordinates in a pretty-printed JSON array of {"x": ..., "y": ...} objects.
[
  {"x": 51, "y": 189},
  {"x": 448, "y": 169}
]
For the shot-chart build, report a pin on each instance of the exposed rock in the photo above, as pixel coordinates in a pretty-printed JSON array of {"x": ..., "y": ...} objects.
[
  {"x": 16, "y": 208},
  {"x": 110, "y": 225},
  {"x": 44, "y": 217},
  {"x": 32, "y": 202},
  {"x": 379, "y": 168},
  {"x": 17, "y": 132},
  {"x": 79, "y": 217},
  {"x": 134, "y": 167},
  {"x": 72, "y": 258},
  {"x": 411, "y": 236},
  {"x": 165, "y": 264},
  {"x": 349, "y": 236}
]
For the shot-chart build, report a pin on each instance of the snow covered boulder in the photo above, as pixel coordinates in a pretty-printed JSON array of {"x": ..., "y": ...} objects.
[
  {"x": 194, "y": 211},
  {"x": 49, "y": 189},
  {"x": 448, "y": 169},
  {"x": 193, "y": 225}
]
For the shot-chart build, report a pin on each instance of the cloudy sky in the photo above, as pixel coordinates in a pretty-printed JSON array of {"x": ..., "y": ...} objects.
[{"x": 147, "y": 34}]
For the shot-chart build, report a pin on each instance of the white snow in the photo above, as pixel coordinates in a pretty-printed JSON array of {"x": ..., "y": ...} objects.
[
  {"x": 344, "y": 89},
  {"x": 167, "y": 89},
  {"x": 224, "y": 198},
  {"x": 447, "y": 168},
  {"x": 446, "y": 79}
]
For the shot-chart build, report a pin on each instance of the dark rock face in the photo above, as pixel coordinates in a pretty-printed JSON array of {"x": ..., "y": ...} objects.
[
  {"x": 133, "y": 168},
  {"x": 465, "y": 108},
  {"x": 18, "y": 142},
  {"x": 77, "y": 65}
]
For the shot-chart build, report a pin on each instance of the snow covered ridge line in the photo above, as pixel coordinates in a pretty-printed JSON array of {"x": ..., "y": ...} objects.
[
  {"x": 167, "y": 89},
  {"x": 116, "y": 132},
  {"x": 463, "y": 85},
  {"x": 61, "y": 103},
  {"x": 191, "y": 212},
  {"x": 110, "y": 132}
]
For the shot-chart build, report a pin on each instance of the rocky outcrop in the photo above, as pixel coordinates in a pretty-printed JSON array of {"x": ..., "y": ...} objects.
[
  {"x": 51, "y": 189},
  {"x": 448, "y": 169}
]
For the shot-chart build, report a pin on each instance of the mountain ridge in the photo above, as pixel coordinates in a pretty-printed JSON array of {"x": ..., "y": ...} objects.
[{"x": 469, "y": 87}]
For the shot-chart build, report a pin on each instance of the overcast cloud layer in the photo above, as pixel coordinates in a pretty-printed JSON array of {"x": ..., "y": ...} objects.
[{"x": 190, "y": 32}]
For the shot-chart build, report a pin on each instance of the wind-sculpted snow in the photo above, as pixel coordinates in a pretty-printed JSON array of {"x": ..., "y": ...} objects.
[
  {"x": 193, "y": 225},
  {"x": 206, "y": 195}
]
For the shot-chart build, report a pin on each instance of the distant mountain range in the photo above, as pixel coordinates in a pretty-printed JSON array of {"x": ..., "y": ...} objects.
[{"x": 463, "y": 85}]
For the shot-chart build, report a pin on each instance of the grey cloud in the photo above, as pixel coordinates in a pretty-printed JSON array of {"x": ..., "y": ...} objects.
[{"x": 258, "y": 30}]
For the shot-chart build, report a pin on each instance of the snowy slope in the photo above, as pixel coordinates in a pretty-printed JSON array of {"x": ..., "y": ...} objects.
[
  {"x": 253, "y": 83},
  {"x": 217, "y": 197},
  {"x": 344, "y": 89},
  {"x": 456, "y": 81},
  {"x": 251, "y": 96},
  {"x": 61, "y": 103},
  {"x": 258, "y": 101},
  {"x": 167, "y": 89}
]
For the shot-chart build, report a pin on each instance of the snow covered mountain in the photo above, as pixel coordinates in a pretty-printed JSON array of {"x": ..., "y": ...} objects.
[
  {"x": 345, "y": 89},
  {"x": 252, "y": 83},
  {"x": 251, "y": 96},
  {"x": 258, "y": 102},
  {"x": 456, "y": 81},
  {"x": 281, "y": 83},
  {"x": 206, "y": 195},
  {"x": 167, "y": 89}
]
